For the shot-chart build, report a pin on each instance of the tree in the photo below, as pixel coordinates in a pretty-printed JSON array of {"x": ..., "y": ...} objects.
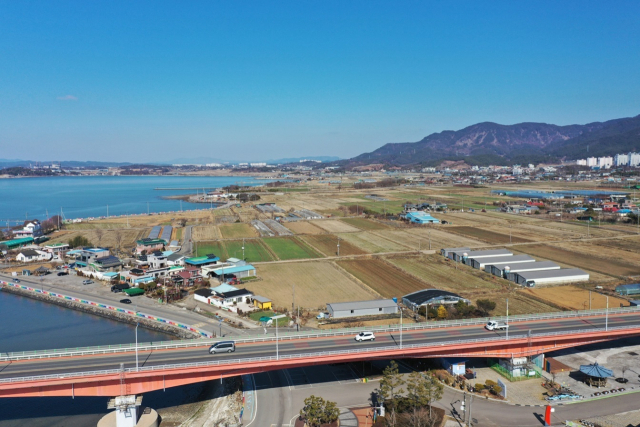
[
  {"x": 422, "y": 391},
  {"x": 485, "y": 306},
  {"x": 317, "y": 411},
  {"x": 390, "y": 387},
  {"x": 442, "y": 312},
  {"x": 118, "y": 239},
  {"x": 79, "y": 241},
  {"x": 99, "y": 232}
]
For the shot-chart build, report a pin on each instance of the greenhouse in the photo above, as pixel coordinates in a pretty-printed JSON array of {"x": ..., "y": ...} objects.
[{"x": 633, "y": 289}]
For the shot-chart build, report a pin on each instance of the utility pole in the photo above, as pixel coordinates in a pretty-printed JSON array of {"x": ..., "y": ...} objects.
[
  {"x": 107, "y": 211},
  {"x": 606, "y": 318},
  {"x": 137, "y": 343},
  {"x": 147, "y": 208},
  {"x": 293, "y": 300},
  {"x": 507, "y": 329},
  {"x": 338, "y": 246},
  {"x": 400, "y": 328},
  {"x": 429, "y": 238}
]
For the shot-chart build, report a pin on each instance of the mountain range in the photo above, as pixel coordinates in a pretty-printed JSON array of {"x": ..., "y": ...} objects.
[{"x": 492, "y": 143}]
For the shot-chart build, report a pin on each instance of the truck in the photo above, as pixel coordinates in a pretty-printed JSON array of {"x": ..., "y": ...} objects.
[
  {"x": 120, "y": 287},
  {"x": 494, "y": 325},
  {"x": 322, "y": 316}
]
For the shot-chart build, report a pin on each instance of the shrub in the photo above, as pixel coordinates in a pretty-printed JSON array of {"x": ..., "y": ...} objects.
[
  {"x": 479, "y": 386},
  {"x": 496, "y": 390},
  {"x": 490, "y": 383}
]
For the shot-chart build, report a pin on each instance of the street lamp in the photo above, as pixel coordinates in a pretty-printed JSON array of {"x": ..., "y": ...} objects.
[
  {"x": 507, "y": 329},
  {"x": 606, "y": 317},
  {"x": 400, "y": 328},
  {"x": 137, "y": 346}
]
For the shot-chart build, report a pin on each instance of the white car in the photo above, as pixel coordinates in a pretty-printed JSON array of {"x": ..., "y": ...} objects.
[
  {"x": 365, "y": 336},
  {"x": 87, "y": 282}
]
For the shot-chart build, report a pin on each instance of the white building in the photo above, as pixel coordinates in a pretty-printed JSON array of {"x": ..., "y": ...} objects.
[
  {"x": 605, "y": 162},
  {"x": 621, "y": 160},
  {"x": 634, "y": 159},
  {"x": 592, "y": 161},
  {"x": 581, "y": 162},
  {"x": 30, "y": 255}
]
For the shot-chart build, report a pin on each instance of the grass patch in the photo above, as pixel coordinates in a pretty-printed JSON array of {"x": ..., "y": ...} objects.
[
  {"x": 254, "y": 251},
  {"x": 290, "y": 248},
  {"x": 256, "y": 315},
  {"x": 205, "y": 248}
]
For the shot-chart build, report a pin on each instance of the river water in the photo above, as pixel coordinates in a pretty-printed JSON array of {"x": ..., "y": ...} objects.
[
  {"x": 34, "y": 325},
  {"x": 96, "y": 196}
]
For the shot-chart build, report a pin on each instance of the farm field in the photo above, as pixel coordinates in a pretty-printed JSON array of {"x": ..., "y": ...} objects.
[
  {"x": 373, "y": 242},
  {"x": 470, "y": 283},
  {"x": 382, "y": 277},
  {"x": 336, "y": 226},
  {"x": 205, "y": 248},
  {"x": 593, "y": 262},
  {"x": 303, "y": 227},
  {"x": 205, "y": 232},
  {"x": 254, "y": 250},
  {"x": 327, "y": 244},
  {"x": 109, "y": 237},
  {"x": 365, "y": 224},
  {"x": 316, "y": 284},
  {"x": 489, "y": 236},
  {"x": 233, "y": 231},
  {"x": 290, "y": 248},
  {"x": 574, "y": 298}
]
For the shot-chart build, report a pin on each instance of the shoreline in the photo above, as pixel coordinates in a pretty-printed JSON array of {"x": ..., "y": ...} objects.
[{"x": 119, "y": 317}]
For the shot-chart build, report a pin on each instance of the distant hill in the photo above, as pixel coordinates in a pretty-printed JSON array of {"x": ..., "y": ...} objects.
[{"x": 492, "y": 143}]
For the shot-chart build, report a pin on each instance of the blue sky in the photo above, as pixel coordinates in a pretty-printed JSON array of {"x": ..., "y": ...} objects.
[{"x": 155, "y": 81}]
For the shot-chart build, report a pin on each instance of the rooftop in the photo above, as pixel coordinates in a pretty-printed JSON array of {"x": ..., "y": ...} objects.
[
  {"x": 361, "y": 305},
  {"x": 425, "y": 295},
  {"x": 546, "y": 274}
]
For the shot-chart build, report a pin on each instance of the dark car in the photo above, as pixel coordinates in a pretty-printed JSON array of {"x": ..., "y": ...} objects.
[
  {"x": 63, "y": 273},
  {"x": 16, "y": 280},
  {"x": 125, "y": 301}
]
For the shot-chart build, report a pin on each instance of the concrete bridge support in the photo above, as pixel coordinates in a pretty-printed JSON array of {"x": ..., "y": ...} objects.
[{"x": 128, "y": 413}]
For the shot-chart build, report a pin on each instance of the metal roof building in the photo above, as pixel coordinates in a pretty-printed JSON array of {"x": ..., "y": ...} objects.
[
  {"x": 431, "y": 297},
  {"x": 448, "y": 252},
  {"x": 546, "y": 277},
  {"x": 632, "y": 289},
  {"x": 505, "y": 269},
  {"x": 482, "y": 263},
  {"x": 460, "y": 255},
  {"x": 362, "y": 308}
]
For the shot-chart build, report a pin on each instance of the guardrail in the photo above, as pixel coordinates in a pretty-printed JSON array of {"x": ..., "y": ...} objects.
[
  {"x": 120, "y": 348},
  {"x": 107, "y": 307},
  {"x": 302, "y": 356}
]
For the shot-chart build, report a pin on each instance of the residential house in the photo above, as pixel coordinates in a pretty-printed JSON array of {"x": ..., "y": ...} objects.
[
  {"x": 30, "y": 229},
  {"x": 261, "y": 302},
  {"x": 31, "y": 255},
  {"x": 107, "y": 263},
  {"x": 149, "y": 245}
]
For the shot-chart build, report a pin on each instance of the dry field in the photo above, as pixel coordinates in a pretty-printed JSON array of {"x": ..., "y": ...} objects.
[
  {"x": 365, "y": 224},
  {"x": 383, "y": 322},
  {"x": 205, "y": 232},
  {"x": 303, "y": 227},
  {"x": 574, "y": 298},
  {"x": 234, "y": 231},
  {"x": 597, "y": 261},
  {"x": 374, "y": 242},
  {"x": 629, "y": 244},
  {"x": 109, "y": 237},
  {"x": 327, "y": 244},
  {"x": 336, "y": 226},
  {"x": 316, "y": 284},
  {"x": 382, "y": 277},
  {"x": 488, "y": 235}
]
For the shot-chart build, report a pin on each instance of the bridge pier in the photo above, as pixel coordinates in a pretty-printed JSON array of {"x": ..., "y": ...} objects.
[{"x": 128, "y": 413}]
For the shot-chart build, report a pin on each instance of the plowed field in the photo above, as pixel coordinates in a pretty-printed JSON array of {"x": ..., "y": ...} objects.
[
  {"x": 382, "y": 278},
  {"x": 574, "y": 298}
]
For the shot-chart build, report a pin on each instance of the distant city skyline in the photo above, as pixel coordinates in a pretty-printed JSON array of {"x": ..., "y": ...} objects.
[{"x": 156, "y": 81}]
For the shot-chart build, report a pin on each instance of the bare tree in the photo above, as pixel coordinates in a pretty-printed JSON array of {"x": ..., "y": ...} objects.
[
  {"x": 118, "y": 239},
  {"x": 99, "y": 232}
]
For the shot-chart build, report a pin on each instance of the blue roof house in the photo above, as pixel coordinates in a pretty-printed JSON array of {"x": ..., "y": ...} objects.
[{"x": 421, "y": 218}]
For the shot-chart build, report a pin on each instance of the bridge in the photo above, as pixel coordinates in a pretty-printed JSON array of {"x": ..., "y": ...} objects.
[{"x": 129, "y": 369}]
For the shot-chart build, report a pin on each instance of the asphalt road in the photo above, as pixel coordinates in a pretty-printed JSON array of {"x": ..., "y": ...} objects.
[
  {"x": 302, "y": 346},
  {"x": 72, "y": 286},
  {"x": 281, "y": 394}
]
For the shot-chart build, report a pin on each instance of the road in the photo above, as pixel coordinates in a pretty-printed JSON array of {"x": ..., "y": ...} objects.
[
  {"x": 72, "y": 286},
  {"x": 281, "y": 394},
  {"x": 301, "y": 347}
]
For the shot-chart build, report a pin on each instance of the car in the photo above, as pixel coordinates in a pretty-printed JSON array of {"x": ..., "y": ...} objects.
[
  {"x": 223, "y": 347},
  {"x": 125, "y": 301},
  {"x": 87, "y": 282},
  {"x": 365, "y": 336},
  {"x": 16, "y": 280},
  {"x": 63, "y": 273}
]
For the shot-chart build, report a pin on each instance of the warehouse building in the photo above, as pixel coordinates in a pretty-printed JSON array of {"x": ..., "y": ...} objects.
[
  {"x": 362, "y": 308},
  {"x": 633, "y": 289},
  {"x": 463, "y": 256},
  {"x": 431, "y": 297},
  {"x": 551, "y": 277},
  {"x": 506, "y": 269},
  {"x": 482, "y": 263},
  {"x": 448, "y": 252}
]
